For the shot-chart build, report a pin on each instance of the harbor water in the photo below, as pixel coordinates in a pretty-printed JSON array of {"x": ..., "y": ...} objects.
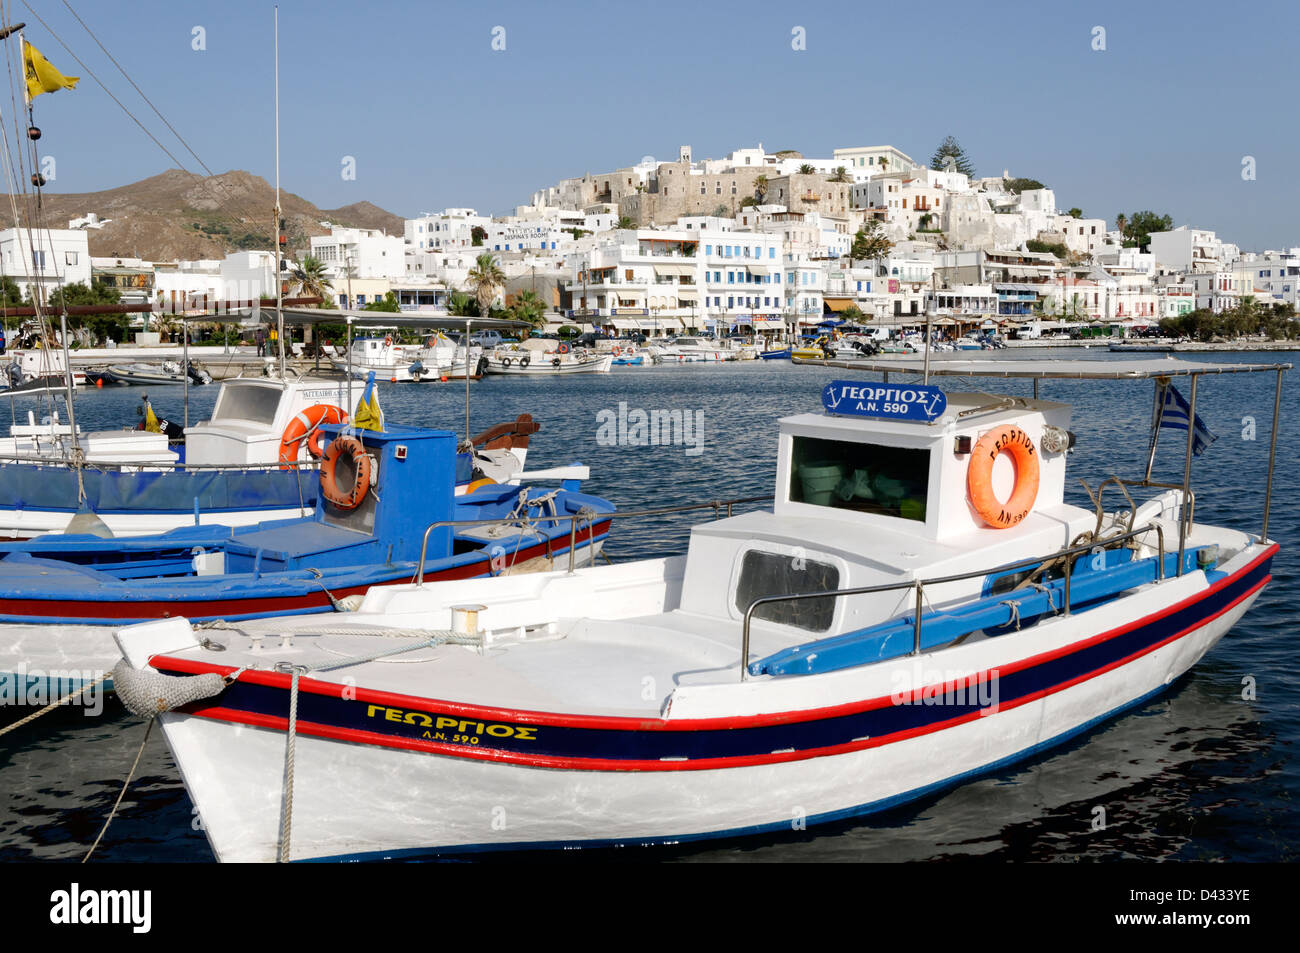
[{"x": 1206, "y": 771}]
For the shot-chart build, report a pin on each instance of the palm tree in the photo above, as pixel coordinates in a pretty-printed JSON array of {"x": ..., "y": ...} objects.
[
  {"x": 529, "y": 307},
  {"x": 760, "y": 189},
  {"x": 1121, "y": 222},
  {"x": 806, "y": 169},
  {"x": 841, "y": 175},
  {"x": 310, "y": 280},
  {"x": 485, "y": 278},
  {"x": 624, "y": 222},
  {"x": 462, "y": 305}
]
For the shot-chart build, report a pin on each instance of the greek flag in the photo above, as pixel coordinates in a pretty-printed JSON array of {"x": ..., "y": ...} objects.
[{"x": 1173, "y": 414}]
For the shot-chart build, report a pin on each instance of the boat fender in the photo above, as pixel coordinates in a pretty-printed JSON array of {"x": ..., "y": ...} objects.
[
  {"x": 1011, "y": 440},
  {"x": 506, "y": 362},
  {"x": 555, "y": 362},
  {"x": 147, "y": 693},
  {"x": 482, "y": 366},
  {"x": 306, "y": 424},
  {"x": 351, "y": 497},
  {"x": 525, "y": 360}
]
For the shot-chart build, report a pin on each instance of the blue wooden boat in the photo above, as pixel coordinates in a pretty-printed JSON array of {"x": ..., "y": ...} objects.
[
  {"x": 380, "y": 494},
  {"x": 781, "y": 355}
]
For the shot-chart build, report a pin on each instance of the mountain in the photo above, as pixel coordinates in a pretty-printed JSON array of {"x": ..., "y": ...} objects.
[{"x": 181, "y": 215}]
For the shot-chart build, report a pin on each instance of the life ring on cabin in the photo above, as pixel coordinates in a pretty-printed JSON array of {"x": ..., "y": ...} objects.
[
  {"x": 388, "y": 340},
  {"x": 355, "y": 451},
  {"x": 1011, "y": 440},
  {"x": 306, "y": 424},
  {"x": 563, "y": 349},
  {"x": 506, "y": 362},
  {"x": 525, "y": 360},
  {"x": 617, "y": 352}
]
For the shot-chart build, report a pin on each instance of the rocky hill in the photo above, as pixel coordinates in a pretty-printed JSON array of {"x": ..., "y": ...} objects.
[{"x": 179, "y": 215}]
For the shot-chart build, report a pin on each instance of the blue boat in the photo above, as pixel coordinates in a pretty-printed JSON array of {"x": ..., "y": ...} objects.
[
  {"x": 781, "y": 355},
  {"x": 382, "y": 517}
]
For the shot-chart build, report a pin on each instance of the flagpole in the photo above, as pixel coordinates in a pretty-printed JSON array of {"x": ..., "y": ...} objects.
[{"x": 1157, "y": 415}]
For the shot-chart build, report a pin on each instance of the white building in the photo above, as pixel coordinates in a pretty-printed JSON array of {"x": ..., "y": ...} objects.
[
  {"x": 449, "y": 229},
  {"x": 45, "y": 258},
  {"x": 1190, "y": 250},
  {"x": 366, "y": 252},
  {"x": 874, "y": 159}
]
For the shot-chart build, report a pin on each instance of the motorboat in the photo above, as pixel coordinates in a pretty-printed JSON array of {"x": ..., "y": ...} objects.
[
  {"x": 920, "y": 606},
  {"x": 165, "y": 372},
  {"x": 694, "y": 350},
  {"x": 383, "y": 515},
  {"x": 546, "y": 357},
  {"x": 435, "y": 358},
  {"x": 37, "y": 369}
]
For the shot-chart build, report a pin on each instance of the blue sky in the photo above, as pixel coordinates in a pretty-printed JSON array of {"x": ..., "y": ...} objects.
[{"x": 1161, "y": 119}]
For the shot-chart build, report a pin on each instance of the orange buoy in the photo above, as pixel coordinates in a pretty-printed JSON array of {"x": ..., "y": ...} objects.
[
  {"x": 1014, "y": 442},
  {"x": 306, "y": 424},
  {"x": 355, "y": 450}
]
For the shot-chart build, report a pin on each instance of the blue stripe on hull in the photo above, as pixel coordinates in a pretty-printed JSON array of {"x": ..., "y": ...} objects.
[
  {"x": 872, "y": 807},
  {"x": 562, "y": 741}
]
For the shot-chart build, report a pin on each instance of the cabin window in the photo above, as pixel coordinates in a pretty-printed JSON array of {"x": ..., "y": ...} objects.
[
  {"x": 868, "y": 478},
  {"x": 775, "y": 574},
  {"x": 257, "y": 404}
]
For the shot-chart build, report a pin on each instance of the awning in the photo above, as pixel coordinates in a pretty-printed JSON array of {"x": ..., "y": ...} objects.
[
  {"x": 759, "y": 269},
  {"x": 659, "y": 324},
  {"x": 623, "y": 324},
  {"x": 839, "y": 304},
  {"x": 671, "y": 270}
]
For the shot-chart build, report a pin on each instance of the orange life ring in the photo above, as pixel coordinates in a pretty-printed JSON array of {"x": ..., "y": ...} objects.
[
  {"x": 617, "y": 352},
  {"x": 306, "y": 424},
  {"x": 479, "y": 484},
  {"x": 388, "y": 340},
  {"x": 329, "y": 484},
  {"x": 1008, "y": 439},
  {"x": 563, "y": 349}
]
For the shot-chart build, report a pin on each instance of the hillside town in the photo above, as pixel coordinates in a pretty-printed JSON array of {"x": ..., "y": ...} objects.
[{"x": 769, "y": 244}]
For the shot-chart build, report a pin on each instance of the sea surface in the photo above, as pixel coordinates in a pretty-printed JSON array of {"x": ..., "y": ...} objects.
[{"x": 1207, "y": 771}]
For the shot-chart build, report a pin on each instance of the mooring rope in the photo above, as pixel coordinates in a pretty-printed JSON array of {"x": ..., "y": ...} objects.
[
  {"x": 52, "y": 705},
  {"x": 122, "y": 793}
]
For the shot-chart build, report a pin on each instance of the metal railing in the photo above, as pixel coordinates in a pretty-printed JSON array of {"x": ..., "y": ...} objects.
[
  {"x": 151, "y": 465},
  {"x": 589, "y": 516},
  {"x": 920, "y": 584}
]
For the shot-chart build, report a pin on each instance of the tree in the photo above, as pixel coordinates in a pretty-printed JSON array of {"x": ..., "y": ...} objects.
[
  {"x": 11, "y": 295},
  {"x": 761, "y": 185},
  {"x": 485, "y": 278},
  {"x": 806, "y": 169},
  {"x": 951, "y": 157},
  {"x": 853, "y": 314},
  {"x": 527, "y": 306},
  {"x": 1075, "y": 213},
  {"x": 1059, "y": 249},
  {"x": 1016, "y": 186},
  {"x": 99, "y": 293},
  {"x": 870, "y": 242},
  {"x": 478, "y": 235},
  {"x": 748, "y": 201},
  {"x": 310, "y": 280},
  {"x": 1140, "y": 225},
  {"x": 389, "y": 304},
  {"x": 462, "y": 305},
  {"x": 841, "y": 175}
]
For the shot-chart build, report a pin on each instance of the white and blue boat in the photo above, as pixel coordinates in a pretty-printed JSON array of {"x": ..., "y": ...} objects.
[
  {"x": 920, "y": 605},
  {"x": 380, "y": 490}
]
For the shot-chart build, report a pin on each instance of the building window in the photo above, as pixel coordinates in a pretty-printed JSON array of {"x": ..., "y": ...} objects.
[{"x": 70, "y": 258}]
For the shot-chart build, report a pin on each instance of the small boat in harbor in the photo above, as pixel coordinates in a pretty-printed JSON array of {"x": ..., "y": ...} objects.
[
  {"x": 166, "y": 372},
  {"x": 380, "y": 492},
  {"x": 545, "y": 357},
  {"x": 435, "y": 358},
  {"x": 920, "y": 606}
]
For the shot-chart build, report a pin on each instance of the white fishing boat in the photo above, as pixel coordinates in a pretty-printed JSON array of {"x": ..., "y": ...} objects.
[
  {"x": 37, "y": 369},
  {"x": 435, "y": 358},
  {"x": 692, "y": 350},
  {"x": 546, "y": 357},
  {"x": 921, "y": 605}
]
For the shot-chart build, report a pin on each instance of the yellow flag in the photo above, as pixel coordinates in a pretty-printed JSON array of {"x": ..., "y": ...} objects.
[
  {"x": 41, "y": 76},
  {"x": 368, "y": 415}
]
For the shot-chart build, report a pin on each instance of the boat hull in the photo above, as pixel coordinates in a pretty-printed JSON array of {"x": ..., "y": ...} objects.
[{"x": 592, "y": 781}]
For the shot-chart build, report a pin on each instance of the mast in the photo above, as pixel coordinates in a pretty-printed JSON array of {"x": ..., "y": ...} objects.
[{"x": 279, "y": 236}]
